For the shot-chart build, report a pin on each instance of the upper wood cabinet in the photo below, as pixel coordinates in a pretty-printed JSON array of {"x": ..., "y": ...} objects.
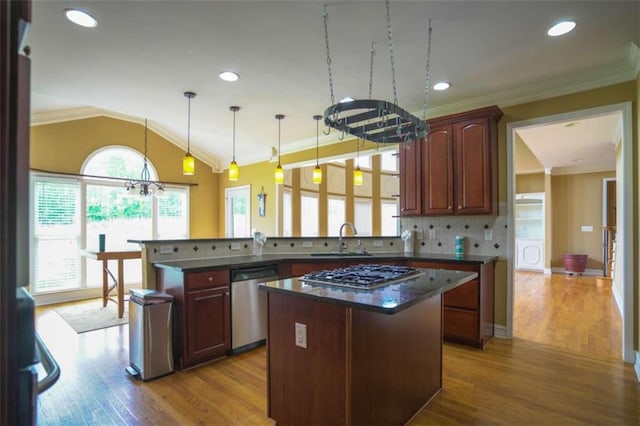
[{"x": 453, "y": 170}]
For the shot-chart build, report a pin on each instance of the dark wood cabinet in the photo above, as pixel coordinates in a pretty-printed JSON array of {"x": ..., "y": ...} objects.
[
  {"x": 201, "y": 314},
  {"x": 410, "y": 179},
  {"x": 467, "y": 310},
  {"x": 454, "y": 170},
  {"x": 437, "y": 171}
]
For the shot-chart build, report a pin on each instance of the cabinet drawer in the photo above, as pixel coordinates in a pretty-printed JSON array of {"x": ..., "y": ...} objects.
[
  {"x": 207, "y": 279},
  {"x": 465, "y": 296},
  {"x": 461, "y": 324}
]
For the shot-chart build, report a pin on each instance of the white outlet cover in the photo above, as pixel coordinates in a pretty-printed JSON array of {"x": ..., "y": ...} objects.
[
  {"x": 432, "y": 234},
  {"x": 166, "y": 249},
  {"x": 488, "y": 234},
  {"x": 301, "y": 335},
  {"x": 378, "y": 243},
  {"x": 586, "y": 228},
  {"x": 307, "y": 244},
  {"x": 235, "y": 246}
]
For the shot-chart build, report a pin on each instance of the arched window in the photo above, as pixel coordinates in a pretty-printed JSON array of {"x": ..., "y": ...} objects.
[{"x": 100, "y": 206}]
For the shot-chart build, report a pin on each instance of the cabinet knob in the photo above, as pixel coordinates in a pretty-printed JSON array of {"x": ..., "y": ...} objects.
[{"x": 210, "y": 279}]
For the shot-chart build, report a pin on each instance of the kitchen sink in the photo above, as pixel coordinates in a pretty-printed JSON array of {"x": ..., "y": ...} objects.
[{"x": 345, "y": 254}]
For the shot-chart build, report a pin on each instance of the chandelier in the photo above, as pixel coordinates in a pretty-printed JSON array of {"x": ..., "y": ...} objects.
[
  {"x": 376, "y": 120},
  {"x": 144, "y": 186}
]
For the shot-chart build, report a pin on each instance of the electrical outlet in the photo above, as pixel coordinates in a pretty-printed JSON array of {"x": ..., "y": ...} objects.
[
  {"x": 235, "y": 246},
  {"x": 432, "y": 234},
  {"x": 307, "y": 244},
  {"x": 378, "y": 243},
  {"x": 488, "y": 234},
  {"x": 586, "y": 228},
  {"x": 301, "y": 335},
  {"x": 166, "y": 249}
]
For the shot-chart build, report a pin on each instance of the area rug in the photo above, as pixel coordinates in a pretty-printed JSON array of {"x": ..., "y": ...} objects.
[{"x": 90, "y": 315}]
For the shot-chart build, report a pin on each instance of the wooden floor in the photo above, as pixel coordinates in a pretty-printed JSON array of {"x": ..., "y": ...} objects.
[
  {"x": 512, "y": 382},
  {"x": 569, "y": 312}
]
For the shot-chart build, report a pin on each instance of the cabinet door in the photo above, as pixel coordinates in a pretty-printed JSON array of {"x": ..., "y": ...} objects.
[
  {"x": 410, "y": 179},
  {"x": 473, "y": 162},
  {"x": 437, "y": 172},
  {"x": 208, "y": 324}
]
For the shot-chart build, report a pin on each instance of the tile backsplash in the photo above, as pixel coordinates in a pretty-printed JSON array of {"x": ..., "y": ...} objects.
[{"x": 484, "y": 235}]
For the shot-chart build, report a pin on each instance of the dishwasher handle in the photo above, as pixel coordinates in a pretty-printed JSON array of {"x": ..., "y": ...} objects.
[{"x": 245, "y": 274}]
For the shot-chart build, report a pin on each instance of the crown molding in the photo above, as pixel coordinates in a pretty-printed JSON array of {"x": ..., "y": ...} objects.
[{"x": 578, "y": 170}]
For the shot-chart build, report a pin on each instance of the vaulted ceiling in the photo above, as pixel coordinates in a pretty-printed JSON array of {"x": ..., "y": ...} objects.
[{"x": 144, "y": 54}]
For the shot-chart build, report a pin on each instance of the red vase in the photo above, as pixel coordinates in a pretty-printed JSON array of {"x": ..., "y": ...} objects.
[{"x": 574, "y": 262}]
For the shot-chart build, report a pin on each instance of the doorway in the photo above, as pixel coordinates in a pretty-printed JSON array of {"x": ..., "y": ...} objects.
[
  {"x": 624, "y": 213},
  {"x": 237, "y": 212}
]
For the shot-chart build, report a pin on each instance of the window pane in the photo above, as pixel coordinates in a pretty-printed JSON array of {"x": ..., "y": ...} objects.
[
  {"x": 389, "y": 223},
  {"x": 309, "y": 219},
  {"x": 335, "y": 215},
  {"x": 117, "y": 162},
  {"x": 363, "y": 220},
  {"x": 173, "y": 215},
  {"x": 389, "y": 161},
  {"x": 364, "y": 161},
  {"x": 56, "y": 231},
  {"x": 287, "y": 214}
]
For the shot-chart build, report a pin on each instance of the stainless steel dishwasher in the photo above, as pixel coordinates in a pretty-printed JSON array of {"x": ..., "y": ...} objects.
[{"x": 249, "y": 306}]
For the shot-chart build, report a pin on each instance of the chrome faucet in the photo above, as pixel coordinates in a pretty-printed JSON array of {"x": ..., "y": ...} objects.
[{"x": 340, "y": 248}]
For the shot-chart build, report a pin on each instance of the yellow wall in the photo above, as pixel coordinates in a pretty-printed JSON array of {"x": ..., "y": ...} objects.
[
  {"x": 530, "y": 183},
  {"x": 525, "y": 161},
  {"x": 577, "y": 202},
  {"x": 63, "y": 148}
]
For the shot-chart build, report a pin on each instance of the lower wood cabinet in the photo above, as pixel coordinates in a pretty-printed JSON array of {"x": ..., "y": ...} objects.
[
  {"x": 467, "y": 310},
  {"x": 201, "y": 314}
]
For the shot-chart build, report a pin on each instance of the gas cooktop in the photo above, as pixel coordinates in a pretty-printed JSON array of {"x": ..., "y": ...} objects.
[{"x": 366, "y": 276}]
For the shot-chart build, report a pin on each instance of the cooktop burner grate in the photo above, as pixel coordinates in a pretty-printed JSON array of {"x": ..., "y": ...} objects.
[{"x": 362, "y": 276}]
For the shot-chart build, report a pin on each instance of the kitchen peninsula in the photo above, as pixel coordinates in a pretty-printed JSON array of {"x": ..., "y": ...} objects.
[{"x": 339, "y": 355}]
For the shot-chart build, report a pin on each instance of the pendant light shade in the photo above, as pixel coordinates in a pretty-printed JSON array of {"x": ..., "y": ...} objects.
[
  {"x": 188, "y": 162},
  {"x": 234, "y": 172},
  {"x": 317, "y": 171},
  {"x": 357, "y": 173},
  {"x": 279, "y": 173},
  {"x": 358, "y": 176}
]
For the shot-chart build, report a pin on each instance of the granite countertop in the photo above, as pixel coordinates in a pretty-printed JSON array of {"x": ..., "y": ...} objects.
[
  {"x": 231, "y": 262},
  {"x": 388, "y": 299}
]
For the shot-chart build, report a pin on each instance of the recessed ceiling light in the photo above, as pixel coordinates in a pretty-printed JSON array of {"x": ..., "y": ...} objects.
[
  {"x": 561, "y": 28},
  {"x": 441, "y": 85},
  {"x": 228, "y": 76},
  {"x": 347, "y": 99},
  {"x": 80, "y": 17}
]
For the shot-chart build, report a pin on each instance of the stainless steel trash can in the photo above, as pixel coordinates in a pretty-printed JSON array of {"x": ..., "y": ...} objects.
[{"x": 150, "y": 347}]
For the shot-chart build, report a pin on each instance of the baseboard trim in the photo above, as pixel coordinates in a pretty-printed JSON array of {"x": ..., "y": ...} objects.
[
  {"x": 590, "y": 272},
  {"x": 500, "y": 331},
  {"x": 636, "y": 366},
  {"x": 618, "y": 298}
]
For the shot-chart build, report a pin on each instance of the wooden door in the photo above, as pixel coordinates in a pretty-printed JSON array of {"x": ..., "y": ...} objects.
[
  {"x": 437, "y": 172},
  {"x": 473, "y": 158},
  {"x": 410, "y": 179}
]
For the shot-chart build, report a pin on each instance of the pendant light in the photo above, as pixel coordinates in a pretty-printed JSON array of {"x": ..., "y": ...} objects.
[
  {"x": 188, "y": 162},
  {"x": 279, "y": 174},
  {"x": 144, "y": 186},
  {"x": 317, "y": 171},
  {"x": 234, "y": 173},
  {"x": 357, "y": 173}
]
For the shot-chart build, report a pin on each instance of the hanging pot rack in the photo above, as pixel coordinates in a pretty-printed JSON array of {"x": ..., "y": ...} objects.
[{"x": 377, "y": 120}]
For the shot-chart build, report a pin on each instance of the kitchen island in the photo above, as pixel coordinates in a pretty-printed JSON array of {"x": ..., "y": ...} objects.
[{"x": 349, "y": 356}]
